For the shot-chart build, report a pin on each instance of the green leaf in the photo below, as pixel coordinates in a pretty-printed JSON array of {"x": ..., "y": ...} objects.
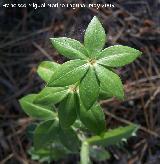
[
  {"x": 34, "y": 110},
  {"x": 40, "y": 155},
  {"x": 104, "y": 95},
  {"x": 46, "y": 133},
  {"x": 114, "y": 136},
  {"x": 58, "y": 151},
  {"x": 84, "y": 154},
  {"x": 94, "y": 38},
  {"x": 89, "y": 88},
  {"x": 110, "y": 82},
  {"x": 69, "y": 73},
  {"x": 116, "y": 56},
  {"x": 70, "y": 48},
  {"x": 69, "y": 139},
  {"x": 51, "y": 95},
  {"x": 67, "y": 110},
  {"x": 99, "y": 154},
  {"x": 48, "y": 154},
  {"x": 46, "y": 69},
  {"x": 93, "y": 119}
]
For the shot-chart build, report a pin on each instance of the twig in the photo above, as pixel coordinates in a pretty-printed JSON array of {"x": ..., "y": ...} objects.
[
  {"x": 6, "y": 159},
  {"x": 42, "y": 50},
  {"x": 25, "y": 37},
  {"x": 152, "y": 98}
]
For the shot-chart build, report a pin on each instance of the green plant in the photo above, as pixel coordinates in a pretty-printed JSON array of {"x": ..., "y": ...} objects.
[{"x": 68, "y": 106}]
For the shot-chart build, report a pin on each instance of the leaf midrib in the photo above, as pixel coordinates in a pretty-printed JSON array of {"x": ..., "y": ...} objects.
[
  {"x": 111, "y": 56},
  {"x": 73, "y": 49},
  {"x": 68, "y": 73},
  {"x": 37, "y": 106},
  {"x": 40, "y": 99},
  {"x": 115, "y": 132}
]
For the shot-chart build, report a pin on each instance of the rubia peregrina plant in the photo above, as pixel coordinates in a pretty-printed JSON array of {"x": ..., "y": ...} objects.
[{"x": 69, "y": 103}]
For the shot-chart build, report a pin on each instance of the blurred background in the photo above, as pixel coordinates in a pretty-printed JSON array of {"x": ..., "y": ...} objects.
[{"x": 24, "y": 43}]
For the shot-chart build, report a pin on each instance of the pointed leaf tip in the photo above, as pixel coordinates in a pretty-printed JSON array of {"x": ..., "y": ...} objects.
[
  {"x": 114, "y": 136},
  {"x": 110, "y": 82},
  {"x": 69, "y": 139},
  {"x": 94, "y": 38},
  {"x": 93, "y": 119}
]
